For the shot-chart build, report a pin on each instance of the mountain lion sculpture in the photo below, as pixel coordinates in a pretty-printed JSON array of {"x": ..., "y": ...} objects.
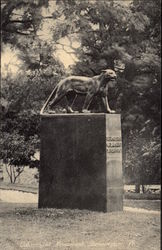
[{"x": 88, "y": 86}]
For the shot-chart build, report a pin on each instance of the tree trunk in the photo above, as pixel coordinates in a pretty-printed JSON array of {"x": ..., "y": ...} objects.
[
  {"x": 137, "y": 188},
  {"x": 143, "y": 189}
]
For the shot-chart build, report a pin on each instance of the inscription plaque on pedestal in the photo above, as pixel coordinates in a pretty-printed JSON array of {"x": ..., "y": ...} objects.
[
  {"x": 81, "y": 162},
  {"x": 114, "y": 163}
]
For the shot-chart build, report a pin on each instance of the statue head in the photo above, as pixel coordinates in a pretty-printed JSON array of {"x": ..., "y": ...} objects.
[{"x": 109, "y": 74}]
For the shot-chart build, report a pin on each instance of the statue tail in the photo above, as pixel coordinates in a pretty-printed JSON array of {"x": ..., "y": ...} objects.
[{"x": 49, "y": 98}]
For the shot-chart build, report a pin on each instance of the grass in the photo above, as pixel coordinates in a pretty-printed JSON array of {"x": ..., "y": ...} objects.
[
  {"x": 144, "y": 204},
  {"x": 23, "y": 226},
  {"x": 141, "y": 196},
  {"x": 19, "y": 187}
]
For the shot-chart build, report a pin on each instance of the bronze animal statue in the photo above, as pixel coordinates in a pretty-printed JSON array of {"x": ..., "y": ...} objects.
[{"x": 89, "y": 86}]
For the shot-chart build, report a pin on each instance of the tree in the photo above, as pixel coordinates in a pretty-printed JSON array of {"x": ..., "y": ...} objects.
[
  {"x": 142, "y": 165},
  {"x": 22, "y": 97},
  {"x": 127, "y": 39},
  {"x": 111, "y": 35},
  {"x": 17, "y": 153},
  {"x": 20, "y": 18}
]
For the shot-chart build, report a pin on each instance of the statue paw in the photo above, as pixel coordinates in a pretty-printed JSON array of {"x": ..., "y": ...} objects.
[
  {"x": 69, "y": 110},
  {"x": 51, "y": 112},
  {"x": 86, "y": 111},
  {"x": 111, "y": 111}
]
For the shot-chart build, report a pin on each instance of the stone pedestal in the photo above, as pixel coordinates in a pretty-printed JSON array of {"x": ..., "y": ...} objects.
[{"x": 81, "y": 162}]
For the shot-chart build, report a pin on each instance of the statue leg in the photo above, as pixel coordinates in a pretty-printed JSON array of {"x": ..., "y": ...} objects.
[
  {"x": 57, "y": 99},
  {"x": 71, "y": 96},
  {"x": 87, "y": 102},
  {"x": 106, "y": 104}
]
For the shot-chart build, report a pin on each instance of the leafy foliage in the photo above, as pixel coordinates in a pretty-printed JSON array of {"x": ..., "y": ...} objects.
[
  {"x": 142, "y": 165},
  {"x": 22, "y": 97},
  {"x": 20, "y": 18},
  {"x": 125, "y": 38},
  {"x": 16, "y": 153}
]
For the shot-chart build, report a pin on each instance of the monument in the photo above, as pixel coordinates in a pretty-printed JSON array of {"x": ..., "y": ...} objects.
[{"x": 81, "y": 161}]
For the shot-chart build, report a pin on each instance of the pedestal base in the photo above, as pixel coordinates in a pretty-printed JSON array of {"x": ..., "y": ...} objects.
[{"x": 81, "y": 162}]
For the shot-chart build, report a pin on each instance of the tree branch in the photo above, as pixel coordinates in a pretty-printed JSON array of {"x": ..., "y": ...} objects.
[
  {"x": 7, "y": 170},
  {"x": 8, "y": 9},
  {"x": 11, "y": 173},
  {"x": 19, "y": 21},
  {"x": 18, "y": 32},
  {"x": 68, "y": 46},
  {"x": 14, "y": 175},
  {"x": 22, "y": 169}
]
